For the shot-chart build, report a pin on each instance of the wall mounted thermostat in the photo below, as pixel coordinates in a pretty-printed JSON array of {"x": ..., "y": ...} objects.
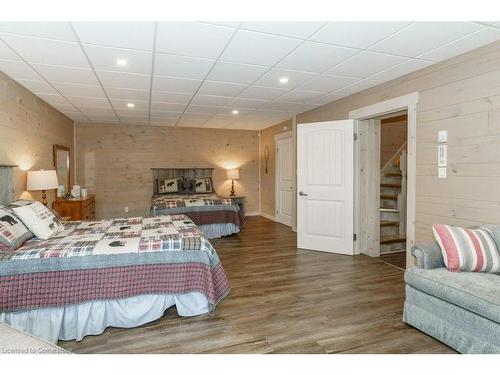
[{"x": 443, "y": 136}]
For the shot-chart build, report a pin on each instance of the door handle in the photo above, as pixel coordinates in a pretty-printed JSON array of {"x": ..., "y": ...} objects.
[{"x": 302, "y": 194}]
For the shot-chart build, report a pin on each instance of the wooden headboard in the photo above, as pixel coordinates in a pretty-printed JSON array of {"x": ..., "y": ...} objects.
[
  {"x": 6, "y": 184},
  {"x": 186, "y": 173}
]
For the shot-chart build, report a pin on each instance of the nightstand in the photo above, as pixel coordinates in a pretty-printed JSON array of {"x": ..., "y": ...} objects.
[
  {"x": 76, "y": 209},
  {"x": 240, "y": 202}
]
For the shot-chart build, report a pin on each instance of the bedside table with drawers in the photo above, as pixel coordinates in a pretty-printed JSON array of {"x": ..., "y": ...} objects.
[
  {"x": 76, "y": 209},
  {"x": 240, "y": 202}
]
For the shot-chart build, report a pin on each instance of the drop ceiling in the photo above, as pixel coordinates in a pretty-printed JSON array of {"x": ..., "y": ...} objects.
[{"x": 219, "y": 75}]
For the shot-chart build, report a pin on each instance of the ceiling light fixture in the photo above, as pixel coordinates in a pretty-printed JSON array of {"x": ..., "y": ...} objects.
[
  {"x": 130, "y": 105},
  {"x": 121, "y": 62},
  {"x": 235, "y": 112},
  {"x": 283, "y": 80}
]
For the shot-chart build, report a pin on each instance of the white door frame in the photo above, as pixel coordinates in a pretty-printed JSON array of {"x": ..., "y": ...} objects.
[
  {"x": 409, "y": 103},
  {"x": 284, "y": 135}
]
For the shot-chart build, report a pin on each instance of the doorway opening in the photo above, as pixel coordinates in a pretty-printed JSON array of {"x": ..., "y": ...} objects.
[{"x": 393, "y": 189}]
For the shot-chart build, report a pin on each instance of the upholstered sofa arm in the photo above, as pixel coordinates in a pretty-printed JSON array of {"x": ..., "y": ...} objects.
[{"x": 428, "y": 256}]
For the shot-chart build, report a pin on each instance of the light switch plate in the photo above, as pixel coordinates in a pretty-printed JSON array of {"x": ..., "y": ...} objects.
[
  {"x": 442, "y": 172},
  {"x": 442, "y": 155},
  {"x": 443, "y": 136}
]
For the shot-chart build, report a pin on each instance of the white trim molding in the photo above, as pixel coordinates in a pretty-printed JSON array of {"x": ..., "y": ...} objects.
[{"x": 409, "y": 103}]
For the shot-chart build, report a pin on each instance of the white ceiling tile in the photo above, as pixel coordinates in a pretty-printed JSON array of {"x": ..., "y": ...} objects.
[
  {"x": 67, "y": 75},
  {"x": 133, "y": 113},
  {"x": 236, "y": 73},
  {"x": 328, "y": 98},
  {"x": 357, "y": 87},
  {"x": 222, "y": 23},
  {"x": 421, "y": 37},
  {"x": 257, "y": 48},
  {"x": 221, "y": 88},
  {"x": 37, "y": 86},
  {"x": 134, "y": 120},
  {"x": 167, "y": 107},
  {"x": 124, "y": 80},
  {"x": 467, "y": 43},
  {"x": 203, "y": 109},
  {"x": 326, "y": 83},
  {"x": 219, "y": 121},
  {"x": 103, "y": 118},
  {"x": 286, "y": 107},
  {"x": 121, "y": 106},
  {"x": 171, "y": 97},
  {"x": 54, "y": 99},
  {"x": 18, "y": 70},
  {"x": 51, "y": 30},
  {"x": 135, "y": 35},
  {"x": 356, "y": 34},
  {"x": 181, "y": 66},
  {"x": 366, "y": 64},
  {"x": 192, "y": 38},
  {"x": 257, "y": 92},
  {"x": 295, "y": 78},
  {"x": 196, "y": 116},
  {"x": 171, "y": 84},
  {"x": 401, "y": 70},
  {"x": 247, "y": 103},
  {"x": 300, "y": 30},
  {"x": 316, "y": 57},
  {"x": 128, "y": 94},
  {"x": 47, "y": 51},
  {"x": 104, "y": 58},
  {"x": 297, "y": 96},
  {"x": 6, "y": 53},
  {"x": 88, "y": 102},
  {"x": 211, "y": 100},
  {"x": 70, "y": 89},
  {"x": 102, "y": 110},
  {"x": 190, "y": 123}
]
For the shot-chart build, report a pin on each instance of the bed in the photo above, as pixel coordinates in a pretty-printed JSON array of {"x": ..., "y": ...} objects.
[
  {"x": 216, "y": 216},
  {"x": 116, "y": 272}
]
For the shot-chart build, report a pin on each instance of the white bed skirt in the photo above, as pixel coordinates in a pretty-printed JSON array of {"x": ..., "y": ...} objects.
[
  {"x": 92, "y": 318},
  {"x": 218, "y": 230}
]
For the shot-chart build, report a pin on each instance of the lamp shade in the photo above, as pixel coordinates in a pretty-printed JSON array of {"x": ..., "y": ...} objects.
[
  {"x": 233, "y": 174},
  {"x": 42, "y": 180}
]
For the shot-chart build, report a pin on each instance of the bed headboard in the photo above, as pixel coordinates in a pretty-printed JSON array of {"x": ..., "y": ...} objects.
[
  {"x": 186, "y": 173},
  {"x": 6, "y": 184}
]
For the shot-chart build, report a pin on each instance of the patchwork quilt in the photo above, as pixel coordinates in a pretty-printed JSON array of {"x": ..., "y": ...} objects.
[
  {"x": 111, "y": 259},
  {"x": 201, "y": 208}
]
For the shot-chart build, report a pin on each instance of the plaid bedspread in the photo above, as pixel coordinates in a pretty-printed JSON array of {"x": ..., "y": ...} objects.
[
  {"x": 201, "y": 208},
  {"x": 111, "y": 259}
]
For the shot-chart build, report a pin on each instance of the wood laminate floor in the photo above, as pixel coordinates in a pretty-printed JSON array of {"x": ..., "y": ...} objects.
[
  {"x": 397, "y": 259},
  {"x": 283, "y": 300}
]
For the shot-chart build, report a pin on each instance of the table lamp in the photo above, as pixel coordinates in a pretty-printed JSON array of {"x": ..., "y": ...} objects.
[
  {"x": 42, "y": 180},
  {"x": 233, "y": 174}
]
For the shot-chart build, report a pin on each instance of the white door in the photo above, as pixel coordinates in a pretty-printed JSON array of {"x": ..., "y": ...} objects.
[
  {"x": 284, "y": 181},
  {"x": 325, "y": 182}
]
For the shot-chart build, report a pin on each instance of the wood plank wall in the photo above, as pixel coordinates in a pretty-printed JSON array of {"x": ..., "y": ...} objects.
[
  {"x": 462, "y": 95},
  {"x": 29, "y": 128},
  {"x": 115, "y": 161},
  {"x": 268, "y": 180}
]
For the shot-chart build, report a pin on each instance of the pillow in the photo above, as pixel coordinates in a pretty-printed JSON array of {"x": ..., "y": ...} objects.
[
  {"x": 168, "y": 186},
  {"x": 471, "y": 250},
  {"x": 187, "y": 187},
  {"x": 39, "y": 220},
  {"x": 203, "y": 185},
  {"x": 13, "y": 233}
]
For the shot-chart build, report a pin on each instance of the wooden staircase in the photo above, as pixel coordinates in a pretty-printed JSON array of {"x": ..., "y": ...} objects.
[{"x": 393, "y": 203}]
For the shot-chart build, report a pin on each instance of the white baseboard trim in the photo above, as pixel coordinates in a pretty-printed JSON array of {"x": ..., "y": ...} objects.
[
  {"x": 267, "y": 216},
  {"x": 253, "y": 213}
]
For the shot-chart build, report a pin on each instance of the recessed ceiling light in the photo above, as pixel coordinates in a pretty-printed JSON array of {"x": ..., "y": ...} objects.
[
  {"x": 130, "y": 105},
  {"x": 121, "y": 62},
  {"x": 235, "y": 112},
  {"x": 283, "y": 80}
]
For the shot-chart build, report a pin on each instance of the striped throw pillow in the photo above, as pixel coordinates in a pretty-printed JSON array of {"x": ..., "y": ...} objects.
[{"x": 471, "y": 250}]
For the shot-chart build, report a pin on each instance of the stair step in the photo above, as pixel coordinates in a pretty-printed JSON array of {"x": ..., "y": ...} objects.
[
  {"x": 389, "y": 223},
  {"x": 382, "y": 209},
  {"x": 393, "y": 174},
  {"x": 395, "y": 186},
  {"x": 392, "y": 239},
  {"x": 389, "y": 197}
]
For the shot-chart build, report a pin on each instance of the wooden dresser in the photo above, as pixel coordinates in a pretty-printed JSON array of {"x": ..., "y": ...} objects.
[{"x": 76, "y": 209}]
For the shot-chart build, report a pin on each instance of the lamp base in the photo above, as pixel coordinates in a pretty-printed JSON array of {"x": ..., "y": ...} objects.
[
  {"x": 44, "y": 197},
  {"x": 232, "y": 189}
]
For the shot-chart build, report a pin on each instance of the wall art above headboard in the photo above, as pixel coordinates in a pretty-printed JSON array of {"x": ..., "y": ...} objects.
[
  {"x": 6, "y": 184},
  {"x": 185, "y": 173}
]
